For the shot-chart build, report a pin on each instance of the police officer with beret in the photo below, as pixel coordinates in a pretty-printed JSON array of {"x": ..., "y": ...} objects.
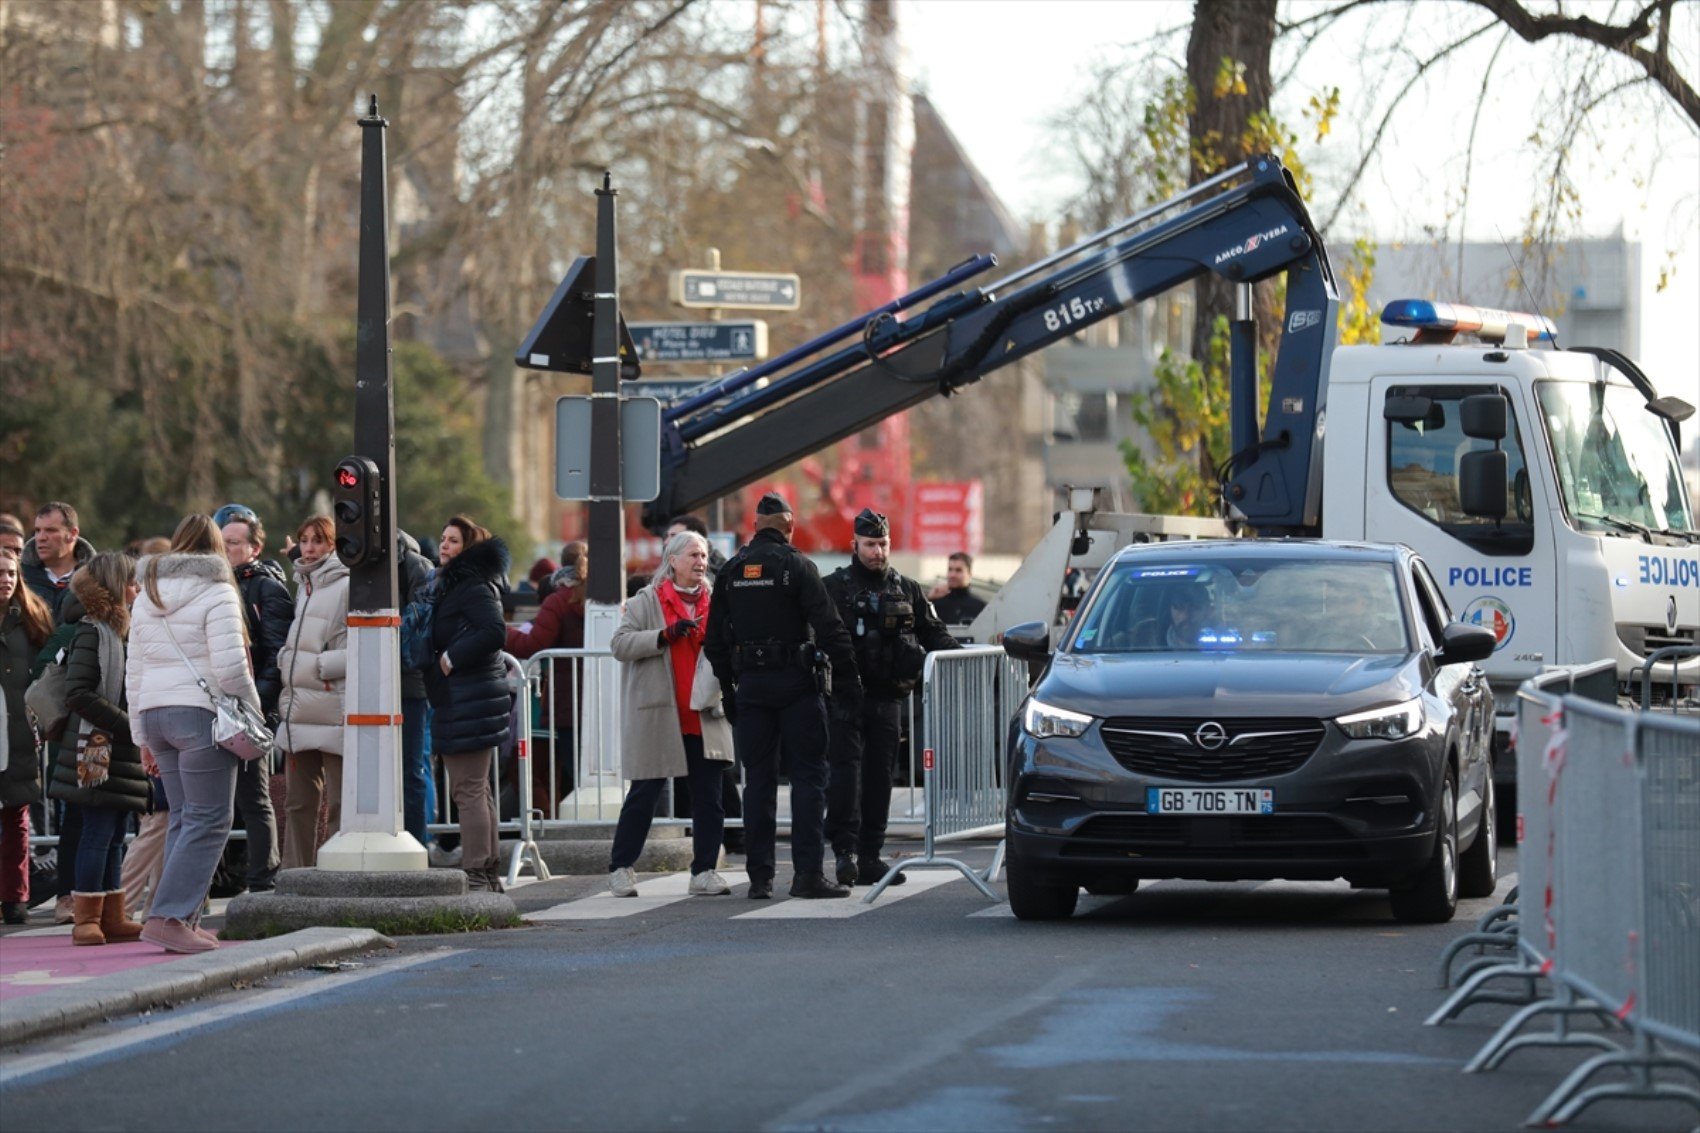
[
  {"x": 892, "y": 629},
  {"x": 771, "y": 631}
]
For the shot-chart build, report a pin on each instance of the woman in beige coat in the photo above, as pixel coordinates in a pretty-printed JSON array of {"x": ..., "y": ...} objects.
[
  {"x": 314, "y": 667},
  {"x": 659, "y": 642}
]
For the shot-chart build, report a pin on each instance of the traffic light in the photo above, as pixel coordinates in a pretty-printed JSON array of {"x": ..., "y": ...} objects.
[{"x": 358, "y": 512}]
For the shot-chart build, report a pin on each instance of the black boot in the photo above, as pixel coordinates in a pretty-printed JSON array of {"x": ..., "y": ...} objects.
[
  {"x": 845, "y": 868},
  {"x": 761, "y": 888},
  {"x": 810, "y": 886},
  {"x": 874, "y": 868}
]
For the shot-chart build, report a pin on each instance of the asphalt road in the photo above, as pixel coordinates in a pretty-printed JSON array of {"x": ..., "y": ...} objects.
[{"x": 1185, "y": 1007}]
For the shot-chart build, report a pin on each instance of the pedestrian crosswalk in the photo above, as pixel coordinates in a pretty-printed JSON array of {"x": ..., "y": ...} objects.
[{"x": 659, "y": 892}]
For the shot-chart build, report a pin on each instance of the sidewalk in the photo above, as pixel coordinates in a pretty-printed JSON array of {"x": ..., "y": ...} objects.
[{"x": 47, "y": 984}]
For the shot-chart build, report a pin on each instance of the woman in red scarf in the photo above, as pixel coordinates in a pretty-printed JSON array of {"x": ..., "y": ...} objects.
[{"x": 658, "y": 644}]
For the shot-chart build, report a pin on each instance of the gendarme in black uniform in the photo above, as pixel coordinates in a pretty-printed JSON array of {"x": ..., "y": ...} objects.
[
  {"x": 767, "y": 617},
  {"x": 892, "y": 629}
]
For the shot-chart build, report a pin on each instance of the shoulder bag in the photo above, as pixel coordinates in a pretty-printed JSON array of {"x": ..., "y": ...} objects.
[{"x": 238, "y": 728}]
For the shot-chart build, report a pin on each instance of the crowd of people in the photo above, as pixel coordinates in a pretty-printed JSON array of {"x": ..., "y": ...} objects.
[{"x": 748, "y": 660}]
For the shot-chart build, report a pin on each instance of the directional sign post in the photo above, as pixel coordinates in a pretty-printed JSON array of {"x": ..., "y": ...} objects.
[
  {"x": 700, "y": 342},
  {"x": 703, "y": 289}
]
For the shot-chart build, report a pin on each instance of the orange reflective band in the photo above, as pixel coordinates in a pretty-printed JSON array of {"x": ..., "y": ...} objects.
[
  {"x": 374, "y": 620},
  {"x": 373, "y": 720}
]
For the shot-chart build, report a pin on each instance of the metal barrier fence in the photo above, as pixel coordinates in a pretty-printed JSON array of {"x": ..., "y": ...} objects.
[
  {"x": 1608, "y": 915},
  {"x": 969, "y": 697}
]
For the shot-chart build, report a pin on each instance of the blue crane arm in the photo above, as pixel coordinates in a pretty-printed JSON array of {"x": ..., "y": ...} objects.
[{"x": 1246, "y": 225}]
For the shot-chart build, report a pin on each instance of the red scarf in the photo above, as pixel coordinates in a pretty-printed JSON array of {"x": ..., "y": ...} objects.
[{"x": 683, "y": 652}]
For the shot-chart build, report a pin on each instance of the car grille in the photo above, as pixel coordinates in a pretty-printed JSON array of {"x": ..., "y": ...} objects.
[
  {"x": 1268, "y": 836},
  {"x": 1256, "y": 747}
]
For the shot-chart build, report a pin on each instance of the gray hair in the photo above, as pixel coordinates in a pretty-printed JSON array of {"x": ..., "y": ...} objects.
[{"x": 678, "y": 545}]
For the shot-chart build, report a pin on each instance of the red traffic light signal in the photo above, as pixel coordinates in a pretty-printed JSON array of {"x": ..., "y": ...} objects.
[{"x": 358, "y": 511}]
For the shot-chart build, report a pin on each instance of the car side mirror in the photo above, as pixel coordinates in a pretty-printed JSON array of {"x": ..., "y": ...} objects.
[
  {"x": 1031, "y": 641},
  {"x": 1461, "y": 642}
]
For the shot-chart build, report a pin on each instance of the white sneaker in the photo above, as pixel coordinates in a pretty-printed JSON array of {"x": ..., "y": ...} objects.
[
  {"x": 623, "y": 883},
  {"x": 709, "y": 884}
]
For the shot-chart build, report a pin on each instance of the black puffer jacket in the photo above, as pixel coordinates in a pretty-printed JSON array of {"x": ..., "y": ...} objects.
[
  {"x": 269, "y": 612},
  {"x": 20, "y": 783},
  {"x": 126, "y": 786},
  {"x": 472, "y": 703}
]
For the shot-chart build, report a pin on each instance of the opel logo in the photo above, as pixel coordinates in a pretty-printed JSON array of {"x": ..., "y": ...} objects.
[
  {"x": 1210, "y": 735},
  {"x": 1670, "y": 614}
]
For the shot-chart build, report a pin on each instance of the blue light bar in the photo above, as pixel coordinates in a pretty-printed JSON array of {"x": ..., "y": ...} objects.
[{"x": 1448, "y": 319}]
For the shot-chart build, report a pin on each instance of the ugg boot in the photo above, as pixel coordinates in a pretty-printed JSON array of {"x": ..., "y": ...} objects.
[
  {"x": 114, "y": 924},
  {"x": 85, "y": 912}
]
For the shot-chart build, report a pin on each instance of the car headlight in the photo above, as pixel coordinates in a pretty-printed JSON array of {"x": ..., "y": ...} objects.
[
  {"x": 1393, "y": 723},
  {"x": 1042, "y": 720}
]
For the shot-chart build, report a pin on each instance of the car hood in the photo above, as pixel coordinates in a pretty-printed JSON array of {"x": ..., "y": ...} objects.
[{"x": 1228, "y": 684}]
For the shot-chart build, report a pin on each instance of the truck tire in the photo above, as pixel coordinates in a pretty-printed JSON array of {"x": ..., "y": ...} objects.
[
  {"x": 1432, "y": 897},
  {"x": 1478, "y": 867},
  {"x": 1034, "y": 899}
]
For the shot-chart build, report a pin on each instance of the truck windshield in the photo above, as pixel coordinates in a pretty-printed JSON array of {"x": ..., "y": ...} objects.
[{"x": 1617, "y": 468}]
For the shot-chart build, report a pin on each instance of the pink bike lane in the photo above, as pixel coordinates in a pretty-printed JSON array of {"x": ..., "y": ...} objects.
[{"x": 31, "y": 964}]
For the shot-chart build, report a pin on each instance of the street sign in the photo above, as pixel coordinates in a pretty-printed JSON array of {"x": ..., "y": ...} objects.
[
  {"x": 640, "y": 448},
  {"x": 665, "y": 391},
  {"x": 700, "y": 342},
  {"x": 769, "y": 290}
]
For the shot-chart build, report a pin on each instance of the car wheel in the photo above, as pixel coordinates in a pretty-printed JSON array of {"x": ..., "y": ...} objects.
[
  {"x": 1432, "y": 897},
  {"x": 1034, "y": 899},
  {"x": 1478, "y": 867}
]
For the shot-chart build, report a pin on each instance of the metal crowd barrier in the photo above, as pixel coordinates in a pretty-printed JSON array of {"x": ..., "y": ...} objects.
[
  {"x": 968, "y": 698},
  {"x": 1608, "y": 917}
]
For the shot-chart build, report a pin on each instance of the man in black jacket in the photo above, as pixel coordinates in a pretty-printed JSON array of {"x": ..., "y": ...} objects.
[
  {"x": 768, "y": 623},
  {"x": 892, "y": 629},
  {"x": 269, "y": 611},
  {"x": 53, "y": 555}
]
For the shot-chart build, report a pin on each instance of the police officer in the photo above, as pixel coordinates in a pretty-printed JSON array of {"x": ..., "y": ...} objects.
[
  {"x": 892, "y": 629},
  {"x": 768, "y": 623}
]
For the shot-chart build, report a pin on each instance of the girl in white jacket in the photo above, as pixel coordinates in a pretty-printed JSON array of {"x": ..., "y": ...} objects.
[
  {"x": 314, "y": 666},
  {"x": 187, "y": 627}
]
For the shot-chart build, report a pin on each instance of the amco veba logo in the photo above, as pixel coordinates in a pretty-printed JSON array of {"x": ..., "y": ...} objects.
[{"x": 1491, "y": 613}]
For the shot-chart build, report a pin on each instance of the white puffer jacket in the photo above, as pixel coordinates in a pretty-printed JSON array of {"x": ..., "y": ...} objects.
[
  {"x": 314, "y": 660},
  {"x": 200, "y": 604}
]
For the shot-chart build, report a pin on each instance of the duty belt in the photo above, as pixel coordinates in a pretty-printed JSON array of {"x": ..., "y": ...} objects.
[{"x": 757, "y": 656}]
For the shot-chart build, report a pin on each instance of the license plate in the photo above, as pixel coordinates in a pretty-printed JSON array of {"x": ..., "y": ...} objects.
[{"x": 1209, "y": 800}]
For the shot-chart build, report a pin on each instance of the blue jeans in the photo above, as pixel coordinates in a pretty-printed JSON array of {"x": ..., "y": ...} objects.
[
  {"x": 416, "y": 788},
  {"x": 708, "y": 817},
  {"x": 100, "y": 851},
  {"x": 200, "y": 784}
]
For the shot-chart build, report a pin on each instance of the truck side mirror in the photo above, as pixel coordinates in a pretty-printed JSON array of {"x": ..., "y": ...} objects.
[
  {"x": 1482, "y": 416},
  {"x": 1461, "y": 642},
  {"x": 1482, "y": 479},
  {"x": 1029, "y": 641}
]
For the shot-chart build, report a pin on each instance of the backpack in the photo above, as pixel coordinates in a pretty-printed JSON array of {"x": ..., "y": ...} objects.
[
  {"x": 45, "y": 696},
  {"x": 417, "y": 652}
]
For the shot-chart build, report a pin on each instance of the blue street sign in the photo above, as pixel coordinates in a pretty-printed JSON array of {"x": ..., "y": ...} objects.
[{"x": 700, "y": 342}]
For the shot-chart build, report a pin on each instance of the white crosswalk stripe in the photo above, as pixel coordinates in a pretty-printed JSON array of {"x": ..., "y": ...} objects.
[
  {"x": 653, "y": 894},
  {"x": 920, "y": 880}
]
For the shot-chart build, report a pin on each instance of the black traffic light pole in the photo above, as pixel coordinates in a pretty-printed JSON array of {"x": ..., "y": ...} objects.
[
  {"x": 372, "y": 579},
  {"x": 607, "y": 582}
]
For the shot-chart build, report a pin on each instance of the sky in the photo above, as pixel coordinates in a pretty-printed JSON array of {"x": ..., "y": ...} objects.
[{"x": 1000, "y": 70}]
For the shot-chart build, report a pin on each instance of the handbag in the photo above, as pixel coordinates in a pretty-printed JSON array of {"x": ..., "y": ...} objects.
[
  {"x": 238, "y": 728},
  {"x": 705, "y": 688},
  {"x": 94, "y": 755}
]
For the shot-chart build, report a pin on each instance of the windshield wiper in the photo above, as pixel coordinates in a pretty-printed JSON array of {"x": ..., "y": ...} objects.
[
  {"x": 1613, "y": 521},
  {"x": 1685, "y": 536}
]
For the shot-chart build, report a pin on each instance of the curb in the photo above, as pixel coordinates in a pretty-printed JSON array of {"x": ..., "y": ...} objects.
[{"x": 175, "y": 981}]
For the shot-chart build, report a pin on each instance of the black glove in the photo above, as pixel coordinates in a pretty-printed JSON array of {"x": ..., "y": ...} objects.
[{"x": 679, "y": 629}]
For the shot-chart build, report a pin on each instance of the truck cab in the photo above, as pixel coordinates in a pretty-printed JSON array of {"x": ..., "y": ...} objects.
[{"x": 1585, "y": 546}]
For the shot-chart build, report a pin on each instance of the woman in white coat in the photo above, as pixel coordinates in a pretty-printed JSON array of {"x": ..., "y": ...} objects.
[
  {"x": 313, "y": 665},
  {"x": 658, "y": 642},
  {"x": 187, "y": 627}
]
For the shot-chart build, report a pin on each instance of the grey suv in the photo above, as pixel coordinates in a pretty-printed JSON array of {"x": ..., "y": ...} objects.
[{"x": 1241, "y": 709}]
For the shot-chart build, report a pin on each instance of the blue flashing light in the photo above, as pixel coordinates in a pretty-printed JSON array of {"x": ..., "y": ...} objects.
[{"x": 1488, "y": 323}]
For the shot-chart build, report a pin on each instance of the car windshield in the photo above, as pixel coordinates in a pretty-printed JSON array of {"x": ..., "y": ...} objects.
[
  {"x": 1617, "y": 468},
  {"x": 1249, "y": 604}
]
